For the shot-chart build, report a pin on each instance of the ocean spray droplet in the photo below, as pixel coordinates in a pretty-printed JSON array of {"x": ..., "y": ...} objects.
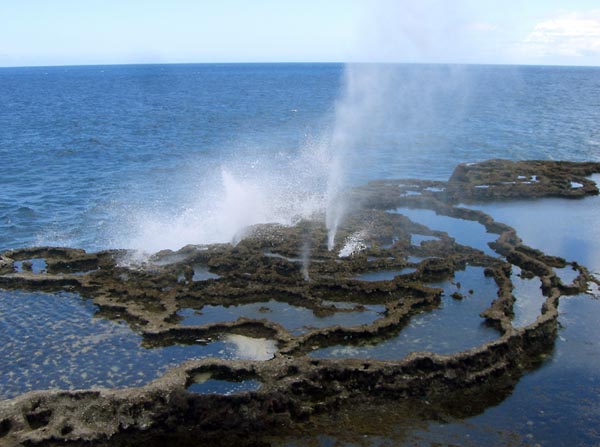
[{"x": 354, "y": 243}]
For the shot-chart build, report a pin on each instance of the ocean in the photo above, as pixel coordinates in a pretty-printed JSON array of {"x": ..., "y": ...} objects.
[
  {"x": 159, "y": 156},
  {"x": 134, "y": 156}
]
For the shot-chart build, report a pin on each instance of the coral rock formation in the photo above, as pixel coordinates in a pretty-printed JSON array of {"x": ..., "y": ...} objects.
[{"x": 265, "y": 266}]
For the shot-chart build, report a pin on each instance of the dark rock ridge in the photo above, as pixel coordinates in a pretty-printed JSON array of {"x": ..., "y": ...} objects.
[{"x": 296, "y": 388}]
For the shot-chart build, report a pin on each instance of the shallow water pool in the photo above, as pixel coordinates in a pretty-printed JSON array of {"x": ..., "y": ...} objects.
[
  {"x": 453, "y": 327},
  {"x": 54, "y": 342},
  {"x": 465, "y": 232},
  {"x": 295, "y": 319}
]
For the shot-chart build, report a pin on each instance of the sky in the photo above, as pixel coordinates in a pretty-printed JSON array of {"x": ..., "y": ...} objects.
[{"x": 81, "y": 32}]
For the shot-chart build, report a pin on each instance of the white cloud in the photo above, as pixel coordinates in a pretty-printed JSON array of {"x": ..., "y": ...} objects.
[{"x": 575, "y": 35}]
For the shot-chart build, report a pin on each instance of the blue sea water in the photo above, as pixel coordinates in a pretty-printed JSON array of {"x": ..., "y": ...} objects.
[{"x": 96, "y": 156}]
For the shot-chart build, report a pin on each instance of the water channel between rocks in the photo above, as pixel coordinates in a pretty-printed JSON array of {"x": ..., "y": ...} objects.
[{"x": 295, "y": 319}]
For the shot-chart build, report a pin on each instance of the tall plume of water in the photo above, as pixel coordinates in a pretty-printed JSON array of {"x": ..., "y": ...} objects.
[
  {"x": 365, "y": 86},
  {"x": 384, "y": 101}
]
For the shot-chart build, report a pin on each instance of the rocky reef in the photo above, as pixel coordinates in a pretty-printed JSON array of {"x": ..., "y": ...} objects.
[{"x": 292, "y": 265}]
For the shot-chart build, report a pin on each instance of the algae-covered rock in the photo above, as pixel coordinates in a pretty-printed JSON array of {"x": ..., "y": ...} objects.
[{"x": 293, "y": 265}]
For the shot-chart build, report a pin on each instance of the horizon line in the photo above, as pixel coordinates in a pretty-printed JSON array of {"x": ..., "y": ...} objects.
[{"x": 123, "y": 64}]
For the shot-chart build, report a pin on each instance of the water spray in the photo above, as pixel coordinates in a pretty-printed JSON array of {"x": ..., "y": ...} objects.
[{"x": 305, "y": 258}]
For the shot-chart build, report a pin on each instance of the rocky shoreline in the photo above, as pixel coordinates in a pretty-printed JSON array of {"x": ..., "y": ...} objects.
[{"x": 294, "y": 387}]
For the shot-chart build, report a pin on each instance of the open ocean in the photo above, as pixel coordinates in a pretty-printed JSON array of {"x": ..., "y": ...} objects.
[
  {"x": 160, "y": 156},
  {"x": 93, "y": 156}
]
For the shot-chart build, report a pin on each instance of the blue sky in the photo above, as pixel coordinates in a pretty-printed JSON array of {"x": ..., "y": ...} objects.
[{"x": 66, "y": 32}]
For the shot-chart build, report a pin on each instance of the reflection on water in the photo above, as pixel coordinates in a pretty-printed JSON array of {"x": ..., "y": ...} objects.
[
  {"x": 567, "y": 274},
  {"x": 557, "y": 404},
  {"x": 249, "y": 348},
  {"x": 54, "y": 341},
  {"x": 554, "y": 405},
  {"x": 528, "y": 298},
  {"x": 295, "y": 319},
  {"x": 465, "y": 232},
  {"x": 453, "y": 327},
  {"x": 384, "y": 275},
  {"x": 559, "y": 227}
]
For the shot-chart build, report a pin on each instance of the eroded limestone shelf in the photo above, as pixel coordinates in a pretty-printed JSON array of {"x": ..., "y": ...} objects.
[{"x": 270, "y": 333}]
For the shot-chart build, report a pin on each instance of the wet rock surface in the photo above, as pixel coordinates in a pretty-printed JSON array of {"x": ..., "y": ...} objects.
[{"x": 292, "y": 265}]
